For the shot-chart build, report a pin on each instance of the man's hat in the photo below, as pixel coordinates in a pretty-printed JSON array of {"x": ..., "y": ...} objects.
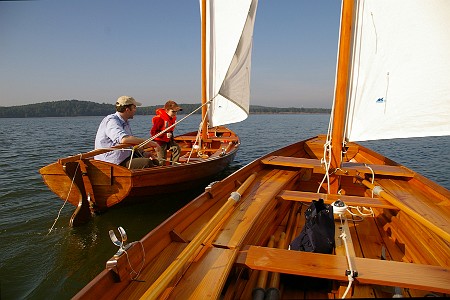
[{"x": 127, "y": 100}]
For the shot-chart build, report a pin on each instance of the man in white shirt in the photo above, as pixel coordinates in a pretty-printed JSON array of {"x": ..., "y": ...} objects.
[{"x": 115, "y": 129}]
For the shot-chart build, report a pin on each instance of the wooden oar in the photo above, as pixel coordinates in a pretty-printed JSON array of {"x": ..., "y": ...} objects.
[
  {"x": 166, "y": 277},
  {"x": 273, "y": 292},
  {"x": 260, "y": 289},
  {"x": 90, "y": 154},
  {"x": 412, "y": 213}
]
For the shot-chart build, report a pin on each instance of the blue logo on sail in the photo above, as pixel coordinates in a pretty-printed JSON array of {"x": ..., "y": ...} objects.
[{"x": 380, "y": 100}]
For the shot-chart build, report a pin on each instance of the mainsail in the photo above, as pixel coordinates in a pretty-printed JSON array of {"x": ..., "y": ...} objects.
[
  {"x": 229, "y": 39},
  {"x": 400, "y": 73}
]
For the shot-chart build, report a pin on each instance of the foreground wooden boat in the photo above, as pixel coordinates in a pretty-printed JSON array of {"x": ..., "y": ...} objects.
[
  {"x": 92, "y": 185},
  {"x": 391, "y": 251},
  {"x": 392, "y": 225}
]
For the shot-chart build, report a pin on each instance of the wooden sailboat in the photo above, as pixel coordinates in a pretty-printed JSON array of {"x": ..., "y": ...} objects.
[
  {"x": 231, "y": 241},
  {"x": 92, "y": 185}
]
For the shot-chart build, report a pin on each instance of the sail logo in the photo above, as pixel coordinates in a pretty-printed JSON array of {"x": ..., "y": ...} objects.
[{"x": 380, "y": 100}]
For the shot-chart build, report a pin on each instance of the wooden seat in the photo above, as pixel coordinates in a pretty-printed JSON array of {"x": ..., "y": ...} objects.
[
  {"x": 347, "y": 169},
  {"x": 370, "y": 271},
  {"x": 307, "y": 197}
]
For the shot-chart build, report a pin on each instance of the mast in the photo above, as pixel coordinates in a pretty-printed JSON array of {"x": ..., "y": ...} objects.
[
  {"x": 339, "y": 112},
  {"x": 203, "y": 46}
]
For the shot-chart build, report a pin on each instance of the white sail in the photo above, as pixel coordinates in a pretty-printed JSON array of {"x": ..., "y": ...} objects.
[
  {"x": 400, "y": 73},
  {"x": 229, "y": 39}
]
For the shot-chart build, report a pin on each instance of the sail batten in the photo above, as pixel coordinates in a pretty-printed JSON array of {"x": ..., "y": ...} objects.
[
  {"x": 229, "y": 38},
  {"x": 400, "y": 70}
]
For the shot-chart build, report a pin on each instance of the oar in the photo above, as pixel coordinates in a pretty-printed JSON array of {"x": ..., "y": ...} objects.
[
  {"x": 259, "y": 291},
  {"x": 91, "y": 153},
  {"x": 166, "y": 277},
  {"x": 273, "y": 292},
  {"x": 394, "y": 201}
]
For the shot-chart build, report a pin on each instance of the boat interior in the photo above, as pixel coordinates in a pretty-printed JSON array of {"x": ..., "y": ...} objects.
[{"x": 380, "y": 250}]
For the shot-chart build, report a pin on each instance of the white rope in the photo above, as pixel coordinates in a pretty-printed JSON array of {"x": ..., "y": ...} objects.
[
  {"x": 142, "y": 265},
  {"x": 373, "y": 175},
  {"x": 197, "y": 138},
  {"x": 350, "y": 274},
  {"x": 65, "y": 201},
  {"x": 326, "y": 153}
]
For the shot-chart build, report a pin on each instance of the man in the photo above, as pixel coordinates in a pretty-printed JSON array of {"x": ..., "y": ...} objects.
[
  {"x": 165, "y": 118},
  {"x": 115, "y": 129}
]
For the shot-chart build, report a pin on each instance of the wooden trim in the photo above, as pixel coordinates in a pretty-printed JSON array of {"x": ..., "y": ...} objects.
[
  {"x": 370, "y": 271},
  {"x": 307, "y": 197}
]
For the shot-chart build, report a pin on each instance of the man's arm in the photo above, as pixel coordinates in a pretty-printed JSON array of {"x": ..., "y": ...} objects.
[{"x": 129, "y": 139}]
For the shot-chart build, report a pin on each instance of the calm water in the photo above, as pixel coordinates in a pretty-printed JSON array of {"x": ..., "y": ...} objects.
[{"x": 38, "y": 265}]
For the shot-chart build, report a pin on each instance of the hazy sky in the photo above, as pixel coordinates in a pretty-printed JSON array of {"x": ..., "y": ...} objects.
[{"x": 150, "y": 49}]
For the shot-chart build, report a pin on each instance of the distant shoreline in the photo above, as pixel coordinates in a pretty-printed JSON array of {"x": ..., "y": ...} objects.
[{"x": 78, "y": 108}]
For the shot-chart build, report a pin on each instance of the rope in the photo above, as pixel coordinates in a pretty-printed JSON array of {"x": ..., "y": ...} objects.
[
  {"x": 326, "y": 153},
  {"x": 65, "y": 201},
  {"x": 142, "y": 265},
  {"x": 351, "y": 272},
  {"x": 373, "y": 175},
  {"x": 197, "y": 138}
]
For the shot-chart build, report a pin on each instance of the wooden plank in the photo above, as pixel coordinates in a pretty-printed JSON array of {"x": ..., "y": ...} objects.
[
  {"x": 252, "y": 206},
  {"x": 348, "y": 168},
  {"x": 370, "y": 271},
  {"x": 296, "y": 162},
  {"x": 330, "y": 198},
  {"x": 377, "y": 169},
  {"x": 205, "y": 280}
]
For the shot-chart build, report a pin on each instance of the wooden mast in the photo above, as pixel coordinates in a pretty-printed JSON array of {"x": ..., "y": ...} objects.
[
  {"x": 337, "y": 135},
  {"x": 203, "y": 46}
]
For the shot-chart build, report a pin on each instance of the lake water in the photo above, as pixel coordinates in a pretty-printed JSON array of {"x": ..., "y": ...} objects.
[{"x": 36, "y": 264}]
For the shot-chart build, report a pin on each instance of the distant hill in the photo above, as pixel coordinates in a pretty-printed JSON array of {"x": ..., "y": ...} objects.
[{"x": 75, "y": 108}]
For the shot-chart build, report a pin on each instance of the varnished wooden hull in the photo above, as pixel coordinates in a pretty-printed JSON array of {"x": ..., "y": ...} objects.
[
  {"x": 112, "y": 184},
  {"x": 392, "y": 251}
]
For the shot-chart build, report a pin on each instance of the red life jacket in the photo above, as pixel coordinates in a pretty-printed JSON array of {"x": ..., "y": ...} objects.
[{"x": 160, "y": 122}]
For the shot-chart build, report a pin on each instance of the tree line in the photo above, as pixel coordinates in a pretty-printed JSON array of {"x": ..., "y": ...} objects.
[{"x": 75, "y": 108}]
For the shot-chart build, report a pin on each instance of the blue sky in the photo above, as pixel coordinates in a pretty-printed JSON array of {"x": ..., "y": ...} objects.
[{"x": 99, "y": 50}]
